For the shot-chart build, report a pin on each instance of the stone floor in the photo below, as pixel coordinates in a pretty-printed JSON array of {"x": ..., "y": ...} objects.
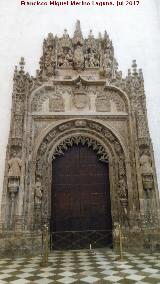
[{"x": 82, "y": 266}]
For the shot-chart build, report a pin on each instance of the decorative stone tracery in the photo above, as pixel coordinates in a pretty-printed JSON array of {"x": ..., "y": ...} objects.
[{"x": 69, "y": 142}]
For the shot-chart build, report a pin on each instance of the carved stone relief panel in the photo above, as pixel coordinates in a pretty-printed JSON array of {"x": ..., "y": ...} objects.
[
  {"x": 48, "y": 102},
  {"x": 56, "y": 103},
  {"x": 53, "y": 99},
  {"x": 103, "y": 103},
  {"x": 39, "y": 98},
  {"x": 110, "y": 100}
]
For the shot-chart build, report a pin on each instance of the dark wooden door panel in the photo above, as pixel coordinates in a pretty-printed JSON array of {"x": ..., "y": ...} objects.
[{"x": 80, "y": 199}]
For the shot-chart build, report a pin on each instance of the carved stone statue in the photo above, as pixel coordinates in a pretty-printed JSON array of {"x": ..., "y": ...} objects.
[
  {"x": 123, "y": 194},
  {"x": 91, "y": 60},
  {"x": 68, "y": 59},
  {"x": 121, "y": 166},
  {"x": 17, "y": 126},
  {"x": 49, "y": 60},
  {"x": 146, "y": 164},
  {"x": 38, "y": 192},
  {"x": 146, "y": 171},
  {"x": 78, "y": 59},
  {"x": 61, "y": 57},
  {"x": 142, "y": 127},
  {"x": 15, "y": 165},
  {"x": 122, "y": 188}
]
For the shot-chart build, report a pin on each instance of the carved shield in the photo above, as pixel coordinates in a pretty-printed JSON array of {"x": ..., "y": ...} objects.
[{"x": 80, "y": 100}]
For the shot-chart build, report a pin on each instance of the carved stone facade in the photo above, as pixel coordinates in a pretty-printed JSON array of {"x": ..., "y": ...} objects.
[{"x": 79, "y": 96}]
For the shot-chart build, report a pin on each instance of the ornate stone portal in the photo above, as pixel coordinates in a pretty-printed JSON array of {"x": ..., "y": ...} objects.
[{"x": 79, "y": 96}]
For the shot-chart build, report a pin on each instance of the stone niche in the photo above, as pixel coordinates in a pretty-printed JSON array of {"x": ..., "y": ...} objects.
[{"x": 78, "y": 96}]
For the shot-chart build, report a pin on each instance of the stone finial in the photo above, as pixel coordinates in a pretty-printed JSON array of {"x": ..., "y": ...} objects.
[
  {"x": 49, "y": 40},
  {"x": 100, "y": 36},
  {"x": 106, "y": 41},
  {"x": 91, "y": 34},
  {"x": 129, "y": 72},
  {"x": 134, "y": 67},
  {"x": 66, "y": 42},
  {"x": 78, "y": 37},
  {"x": 140, "y": 73},
  {"x": 90, "y": 42},
  {"x": 15, "y": 72},
  {"x": 105, "y": 35},
  {"x": 22, "y": 64}
]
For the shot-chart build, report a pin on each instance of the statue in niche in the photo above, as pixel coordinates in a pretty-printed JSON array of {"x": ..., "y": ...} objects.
[
  {"x": 78, "y": 59},
  {"x": 142, "y": 127},
  {"x": 49, "y": 60},
  {"x": 14, "y": 165},
  {"x": 121, "y": 166},
  {"x": 146, "y": 163},
  {"x": 61, "y": 58},
  {"x": 68, "y": 59},
  {"x": 65, "y": 58},
  {"x": 123, "y": 194},
  {"x": 17, "y": 126},
  {"x": 122, "y": 188},
  {"x": 38, "y": 192},
  {"x": 117, "y": 147},
  {"x": 91, "y": 60},
  {"x": 146, "y": 171},
  {"x": 107, "y": 61},
  {"x": 18, "y": 105}
]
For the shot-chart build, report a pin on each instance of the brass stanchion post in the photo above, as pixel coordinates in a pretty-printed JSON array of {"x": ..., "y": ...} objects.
[
  {"x": 45, "y": 247},
  {"x": 120, "y": 243}
]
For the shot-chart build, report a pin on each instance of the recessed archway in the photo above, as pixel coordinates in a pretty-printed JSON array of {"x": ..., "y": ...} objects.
[
  {"x": 108, "y": 147},
  {"x": 80, "y": 200}
]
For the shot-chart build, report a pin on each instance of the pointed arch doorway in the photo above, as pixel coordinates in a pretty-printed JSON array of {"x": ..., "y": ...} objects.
[{"x": 80, "y": 200}]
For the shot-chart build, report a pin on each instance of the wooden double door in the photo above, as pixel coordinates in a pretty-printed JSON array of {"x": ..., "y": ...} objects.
[{"x": 80, "y": 200}]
